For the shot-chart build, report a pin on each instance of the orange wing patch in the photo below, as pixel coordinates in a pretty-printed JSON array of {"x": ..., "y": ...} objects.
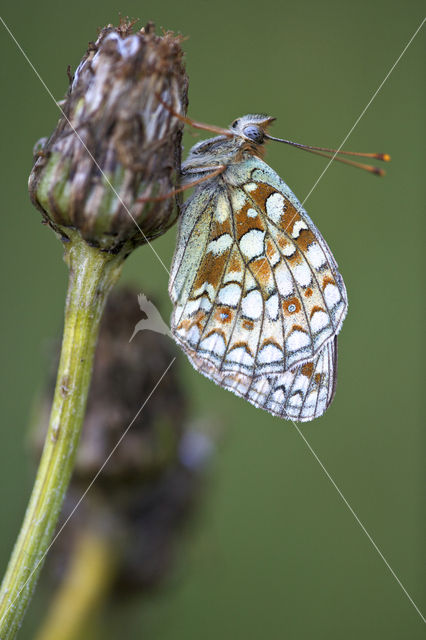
[
  {"x": 306, "y": 238},
  {"x": 210, "y": 270},
  {"x": 327, "y": 280},
  {"x": 307, "y": 369},
  {"x": 261, "y": 193},
  {"x": 196, "y": 320},
  {"x": 291, "y": 306},
  {"x": 224, "y": 315}
]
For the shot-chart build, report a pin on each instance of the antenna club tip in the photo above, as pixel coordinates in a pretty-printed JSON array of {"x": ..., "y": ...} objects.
[
  {"x": 379, "y": 172},
  {"x": 385, "y": 157}
]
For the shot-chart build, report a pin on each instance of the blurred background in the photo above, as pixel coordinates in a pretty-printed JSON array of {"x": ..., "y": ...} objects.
[{"x": 275, "y": 552}]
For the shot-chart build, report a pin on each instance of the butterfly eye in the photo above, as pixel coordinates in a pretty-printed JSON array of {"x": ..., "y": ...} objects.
[
  {"x": 235, "y": 123},
  {"x": 253, "y": 133}
]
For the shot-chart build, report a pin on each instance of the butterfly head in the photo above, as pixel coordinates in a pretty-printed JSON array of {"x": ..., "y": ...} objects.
[
  {"x": 252, "y": 128},
  {"x": 245, "y": 135}
]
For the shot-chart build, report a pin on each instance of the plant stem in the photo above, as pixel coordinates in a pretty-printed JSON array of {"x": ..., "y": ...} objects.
[
  {"x": 92, "y": 274},
  {"x": 85, "y": 587}
]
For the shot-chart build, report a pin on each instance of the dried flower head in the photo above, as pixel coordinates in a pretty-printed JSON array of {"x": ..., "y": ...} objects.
[
  {"x": 115, "y": 141},
  {"x": 124, "y": 374}
]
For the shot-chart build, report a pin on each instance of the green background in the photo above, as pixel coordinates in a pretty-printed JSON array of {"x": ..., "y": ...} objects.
[{"x": 276, "y": 552}]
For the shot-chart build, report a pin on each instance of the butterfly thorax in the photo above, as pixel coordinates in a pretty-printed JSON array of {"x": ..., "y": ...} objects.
[{"x": 246, "y": 139}]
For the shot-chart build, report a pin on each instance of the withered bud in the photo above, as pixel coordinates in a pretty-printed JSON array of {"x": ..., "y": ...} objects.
[
  {"x": 116, "y": 142},
  {"x": 153, "y": 482},
  {"x": 124, "y": 374}
]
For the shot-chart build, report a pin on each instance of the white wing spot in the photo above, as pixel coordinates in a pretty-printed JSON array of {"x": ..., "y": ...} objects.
[
  {"x": 269, "y": 353},
  {"x": 252, "y": 305},
  {"x": 221, "y": 244},
  {"x": 288, "y": 250},
  {"x": 252, "y": 213},
  {"x": 193, "y": 335},
  {"x": 298, "y": 340},
  {"x": 214, "y": 343},
  {"x": 274, "y": 258},
  {"x": 275, "y": 207},
  {"x": 316, "y": 256},
  {"x": 278, "y": 395},
  {"x": 222, "y": 209},
  {"x": 239, "y": 355},
  {"x": 300, "y": 383},
  {"x": 284, "y": 280},
  {"x": 261, "y": 384},
  {"x": 238, "y": 199},
  {"x": 310, "y": 404},
  {"x": 272, "y": 307},
  {"x": 230, "y": 294},
  {"x": 250, "y": 186},
  {"x": 251, "y": 244},
  {"x": 295, "y": 401},
  {"x": 249, "y": 282},
  {"x": 205, "y": 287},
  {"x": 297, "y": 228},
  {"x": 331, "y": 295},
  {"x": 199, "y": 303},
  {"x": 303, "y": 275},
  {"x": 236, "y": 276},
  {"x": 319, "y": 320}
]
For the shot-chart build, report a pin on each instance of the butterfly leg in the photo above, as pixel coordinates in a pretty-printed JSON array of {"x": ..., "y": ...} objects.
[{"x": 220, "y": 169}]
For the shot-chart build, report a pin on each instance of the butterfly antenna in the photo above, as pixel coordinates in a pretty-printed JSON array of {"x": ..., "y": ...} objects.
[
  {"x": 194, "y": 123},
  {"x": 334, "y": 154}
]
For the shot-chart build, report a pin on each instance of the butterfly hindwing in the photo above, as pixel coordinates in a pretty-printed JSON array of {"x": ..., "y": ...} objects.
[
  {"x": 299, "y": 394},
  {"x": 302, "y": 393}
]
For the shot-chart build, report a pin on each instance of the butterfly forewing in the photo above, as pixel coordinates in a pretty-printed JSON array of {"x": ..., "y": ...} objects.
[{"x": 256, "y": 288}]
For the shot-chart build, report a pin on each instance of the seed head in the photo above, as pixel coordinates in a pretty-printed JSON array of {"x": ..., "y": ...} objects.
[{"x": 115, "y": 142}]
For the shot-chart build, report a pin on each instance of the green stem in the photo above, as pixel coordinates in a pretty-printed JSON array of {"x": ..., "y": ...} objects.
[{"x": 92, "y": 274}]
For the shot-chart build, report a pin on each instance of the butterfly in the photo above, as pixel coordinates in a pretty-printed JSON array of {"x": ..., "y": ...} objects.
[{"x": 257, "y": 294}]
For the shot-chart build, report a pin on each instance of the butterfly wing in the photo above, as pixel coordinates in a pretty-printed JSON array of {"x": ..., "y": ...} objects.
[
  {"x": 300, "y": 394},
  {"x": 256, "y": 289},
  {"x": 309, "y": 295}
]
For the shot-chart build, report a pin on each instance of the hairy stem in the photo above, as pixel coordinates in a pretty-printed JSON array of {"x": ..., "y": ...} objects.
[{"x": 92, "y": 274}]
